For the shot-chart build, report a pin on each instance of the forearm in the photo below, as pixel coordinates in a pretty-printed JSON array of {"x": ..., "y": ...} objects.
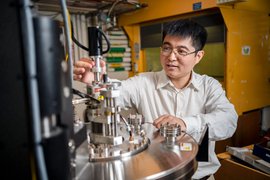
[{"x": 222, "y": 122}]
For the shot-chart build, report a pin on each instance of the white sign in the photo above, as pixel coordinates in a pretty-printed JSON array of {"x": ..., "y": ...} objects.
[{"x": 245, "y": 50}]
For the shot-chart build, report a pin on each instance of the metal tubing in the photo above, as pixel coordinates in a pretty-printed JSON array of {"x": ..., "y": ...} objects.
[
  {"x": 115, "y": 124},
  {"x": 30, "y": 65},
  {"x": 97, "y": 66},
  {"x": 103, "y": 129},
  {"x": 112, "y": 124},
  {"x": 67, "y": 32}
]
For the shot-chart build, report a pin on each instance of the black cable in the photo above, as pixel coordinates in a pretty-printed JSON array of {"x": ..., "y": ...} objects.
[
  {"x": 75, "y": 40},
  {"x": 107, "y": 40},
  {"x": 82, "y": 95},
  {"x": 125, "y": 121}
]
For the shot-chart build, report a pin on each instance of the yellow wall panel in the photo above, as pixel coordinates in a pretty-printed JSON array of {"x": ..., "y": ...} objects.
[
  {"x": 133, "y": 33},
  {"x": 254, "y": 5},
  {"x": 247, "y": 75},
  {"x": 158, "y": 9}
]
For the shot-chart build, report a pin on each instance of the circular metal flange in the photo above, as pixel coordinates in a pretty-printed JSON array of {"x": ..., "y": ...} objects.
[
  {"x": 113, "y": 84},
  {"x": 104, "y": 152},
  {"x": 136, "y": 120},
  {"x": 170, "y": 131}
]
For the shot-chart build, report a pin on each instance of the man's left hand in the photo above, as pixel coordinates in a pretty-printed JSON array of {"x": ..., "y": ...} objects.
[{"x": 164, "y": 119}]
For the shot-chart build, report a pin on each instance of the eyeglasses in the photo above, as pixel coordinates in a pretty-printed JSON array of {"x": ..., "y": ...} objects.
[{"x": 166, "y": 51}]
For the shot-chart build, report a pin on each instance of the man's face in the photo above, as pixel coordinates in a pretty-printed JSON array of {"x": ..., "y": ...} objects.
[{"x": 179, "y": 66}]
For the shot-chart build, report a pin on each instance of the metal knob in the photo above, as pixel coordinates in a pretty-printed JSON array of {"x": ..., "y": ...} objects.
[{"x": 170, "y": 131}]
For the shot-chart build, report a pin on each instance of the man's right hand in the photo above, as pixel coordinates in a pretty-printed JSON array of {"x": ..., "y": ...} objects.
[{"x": 83, "y": 70}]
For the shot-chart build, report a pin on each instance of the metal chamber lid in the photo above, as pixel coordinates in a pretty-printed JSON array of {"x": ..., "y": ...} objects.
[{"x": 161, "y": 160}]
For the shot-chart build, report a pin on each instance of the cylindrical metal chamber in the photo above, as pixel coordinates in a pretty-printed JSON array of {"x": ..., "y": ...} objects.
[{"x": 159, "y": 160}]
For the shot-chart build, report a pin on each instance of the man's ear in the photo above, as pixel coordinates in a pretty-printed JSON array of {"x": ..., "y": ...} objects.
[{"x": 199, "y": 56}]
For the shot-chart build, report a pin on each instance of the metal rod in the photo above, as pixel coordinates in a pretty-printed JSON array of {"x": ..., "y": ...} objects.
[
  {"x": 67, "y": 32},
  {"x": 103, "y": 129},
  {"x": 115, "y": 124},
  {"x": 28, "y": 40}
]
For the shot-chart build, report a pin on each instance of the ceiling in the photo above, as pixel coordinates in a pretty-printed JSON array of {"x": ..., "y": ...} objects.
[{"x": 111, "y": 7}]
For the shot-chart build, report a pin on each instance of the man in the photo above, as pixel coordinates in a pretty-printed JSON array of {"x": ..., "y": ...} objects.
[{"x": 177, "y": 94}]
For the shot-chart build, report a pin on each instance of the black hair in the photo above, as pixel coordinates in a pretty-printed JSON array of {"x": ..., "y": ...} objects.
[{"x": 186, "y": 28}]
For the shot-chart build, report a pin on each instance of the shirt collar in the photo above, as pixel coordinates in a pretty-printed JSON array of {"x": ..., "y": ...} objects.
[
  {"x": 163, "y": 80},
  {"x": 194, "y": 80}
]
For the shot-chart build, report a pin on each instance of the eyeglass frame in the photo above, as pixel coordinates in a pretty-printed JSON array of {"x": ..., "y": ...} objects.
[{"x": 178, "y": 53}]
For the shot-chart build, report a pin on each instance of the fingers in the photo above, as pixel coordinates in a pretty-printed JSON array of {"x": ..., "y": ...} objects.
[
  {"x": 83, "y": 70},
  {"x": 90, "y": 61},
  {"x": 83, "y": 64},
  {"x": 162, "y": 120},
  {"x": 87, "y": 64},
  {"x": 78, "y": 71},
  {"x": 77, "y": 77}
]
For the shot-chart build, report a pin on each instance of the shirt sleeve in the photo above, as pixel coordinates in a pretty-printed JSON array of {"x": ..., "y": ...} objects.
[{"x": 220, "y": 114}]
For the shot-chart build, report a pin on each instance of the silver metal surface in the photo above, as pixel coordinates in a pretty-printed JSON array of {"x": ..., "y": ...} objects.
[
  {"x": 48, "y": 124},
  {"x": 80, "y": 101},
  {"x": 170, "y": 131},
  {"x": 136, "y": 119},
  {"x": 159, "y": 160},
  {"x": 97, "y": 138},
  {"x": 110, "y": 93},
  {"x": 113, "y": 85}
]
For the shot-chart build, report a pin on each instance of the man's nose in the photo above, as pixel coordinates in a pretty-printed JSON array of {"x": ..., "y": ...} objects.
[{"x": 173, "y": 55}]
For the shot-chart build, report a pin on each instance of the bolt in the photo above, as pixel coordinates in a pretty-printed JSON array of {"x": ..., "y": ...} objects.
[{"x": 71, "y": 145}]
